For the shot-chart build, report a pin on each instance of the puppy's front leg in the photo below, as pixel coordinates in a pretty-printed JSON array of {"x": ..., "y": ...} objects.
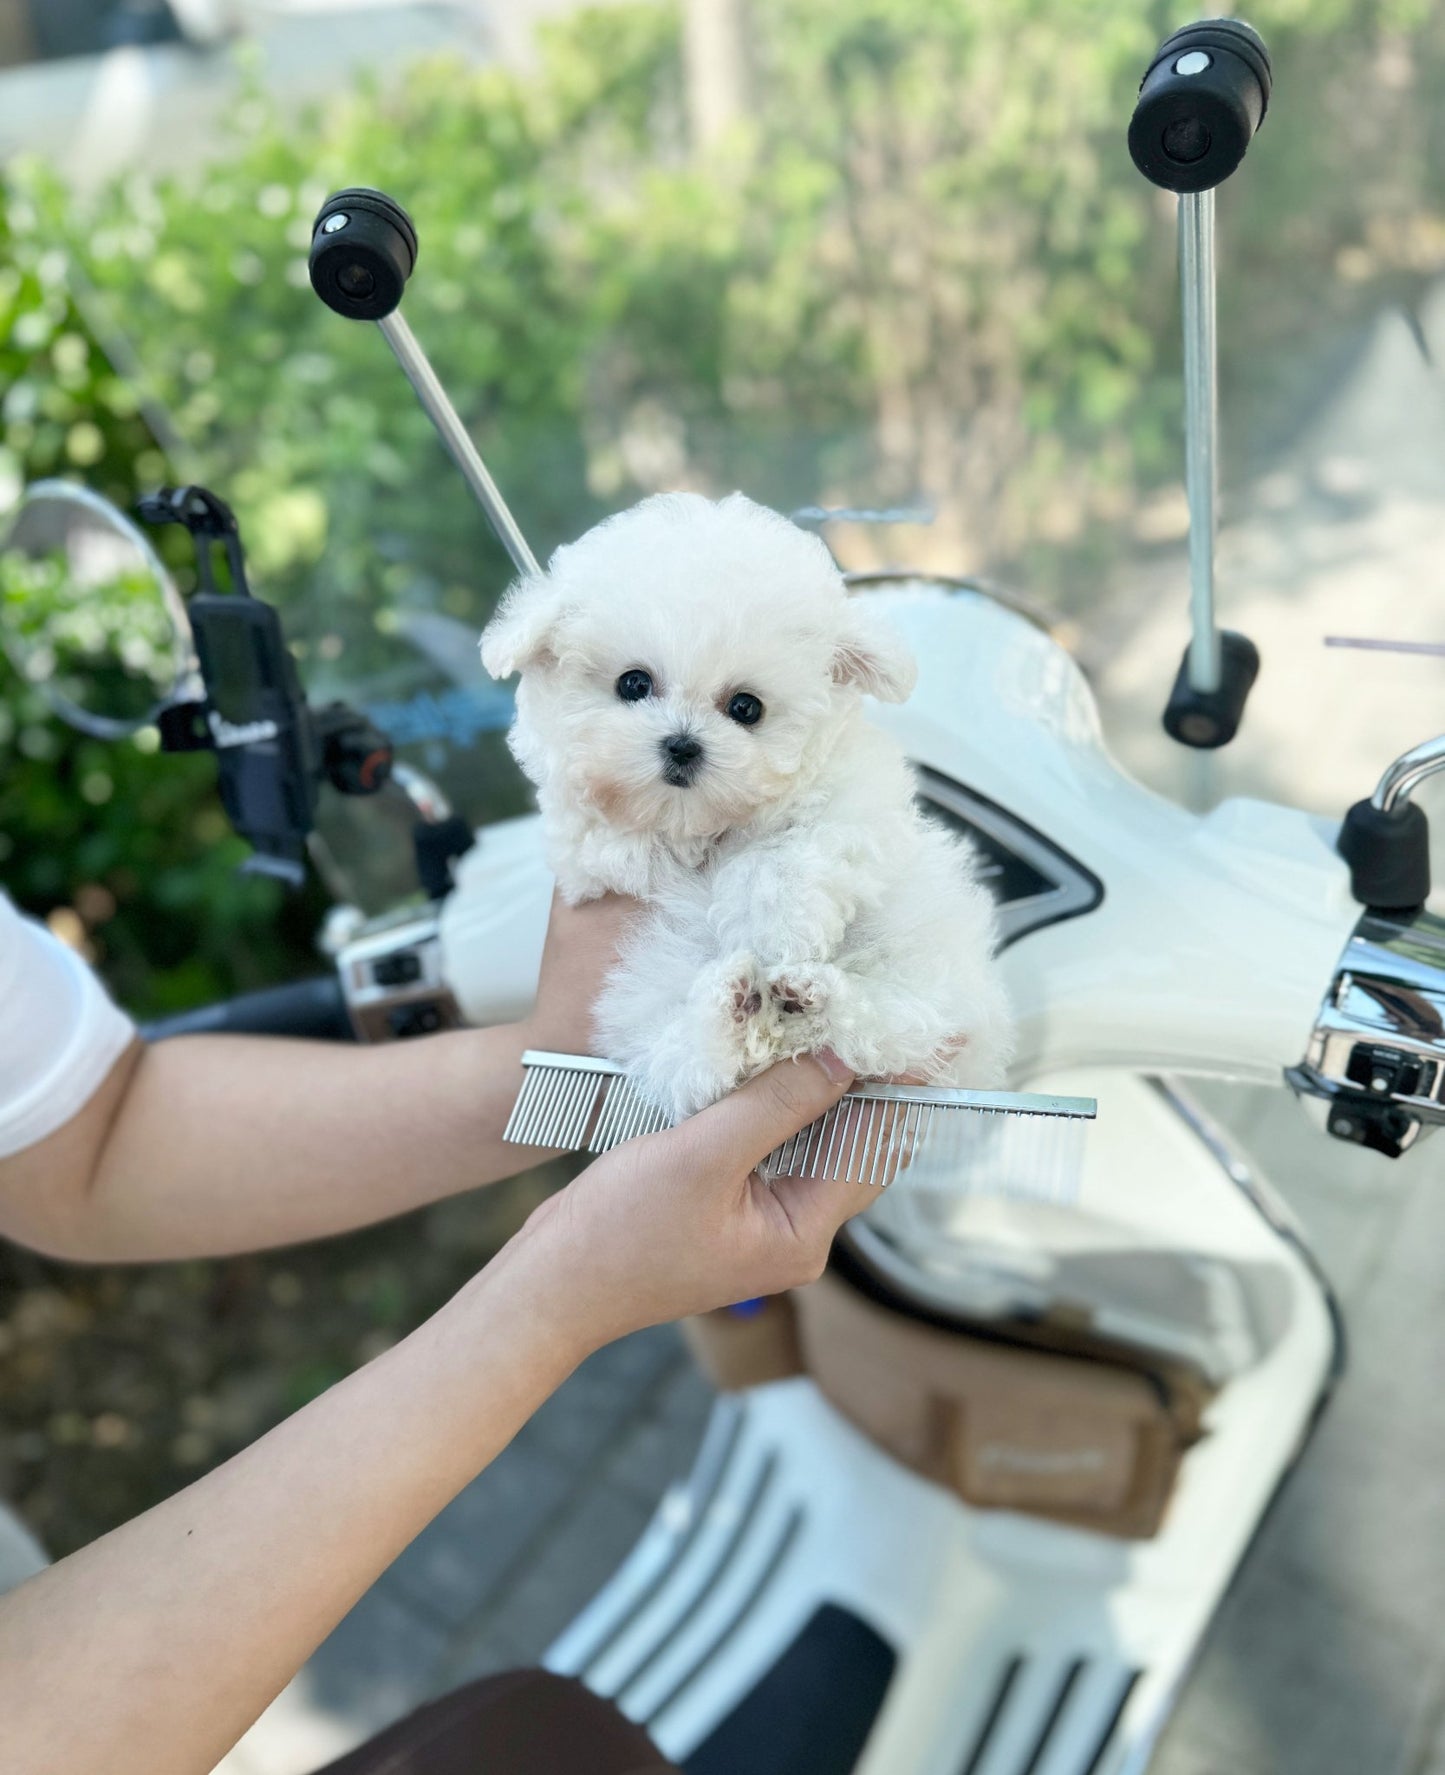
[
  {"x": 790, "y": 900},
  {"x": 590, "y": 860},
  {"x": 686, "y": 1053}
]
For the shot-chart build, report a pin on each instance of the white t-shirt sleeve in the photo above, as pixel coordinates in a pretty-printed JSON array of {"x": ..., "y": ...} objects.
[{"x": 59, "y": 1032}]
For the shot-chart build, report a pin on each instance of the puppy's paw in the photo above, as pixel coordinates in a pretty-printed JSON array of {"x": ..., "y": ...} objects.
[
  {"x": 745, "y": 995},
  {"x": 800, "y": 999},
  {"x": 731, "y": 1000}
]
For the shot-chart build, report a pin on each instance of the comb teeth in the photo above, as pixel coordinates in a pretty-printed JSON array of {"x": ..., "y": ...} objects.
[
  {"x": 559, "y": 1099},
  {"x": 626, "y": 1113},
  {"x": 940, "y": 1149},
  {"x": 933, "y": 1139}
]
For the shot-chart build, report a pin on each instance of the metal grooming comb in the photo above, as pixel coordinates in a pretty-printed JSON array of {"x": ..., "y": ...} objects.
[{"x": 996, "y": 1142}]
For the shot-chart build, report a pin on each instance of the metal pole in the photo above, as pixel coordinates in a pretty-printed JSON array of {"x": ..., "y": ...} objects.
[
  {"x": 453, "y": 434},
  {"x": 1201, "y": 427}
]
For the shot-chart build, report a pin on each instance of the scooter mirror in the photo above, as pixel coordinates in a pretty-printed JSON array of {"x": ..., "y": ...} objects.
[{"x": 88, "y": 615}]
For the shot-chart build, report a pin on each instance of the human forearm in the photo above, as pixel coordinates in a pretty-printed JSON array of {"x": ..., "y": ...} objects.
[
  {"x": 235, "y": 1143},
  {"x": 212, "y": 1144},
  {"x": 228, "y": 1144},
  {"x": 152, "y": 1650}
]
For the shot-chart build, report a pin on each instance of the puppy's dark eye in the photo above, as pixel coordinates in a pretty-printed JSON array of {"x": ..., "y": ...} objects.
[
  {"x": 634, "y": 685},
  {"x": 745, "y": 709}
]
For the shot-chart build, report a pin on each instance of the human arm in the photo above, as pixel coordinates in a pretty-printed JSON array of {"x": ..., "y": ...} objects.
[
  {"x": 211, "y": 1144},
  {"x": 151, "y": 1651}
]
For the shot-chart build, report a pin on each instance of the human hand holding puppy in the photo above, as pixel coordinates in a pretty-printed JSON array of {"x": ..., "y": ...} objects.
[{"x": 681, "y": 1222}]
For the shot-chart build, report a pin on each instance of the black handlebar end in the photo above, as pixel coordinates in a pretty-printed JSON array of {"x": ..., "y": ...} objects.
[
  {"x": 1207, "y": 719},
  {"x": 363, "y": 250},
  {"x": 1200, "y": 102},
  {"x": 1388, "y": 855}
]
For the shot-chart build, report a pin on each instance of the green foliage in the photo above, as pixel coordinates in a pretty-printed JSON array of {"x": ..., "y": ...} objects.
[
  {"x": 921, "y": 267},
  {"x": 132, "y": 846}
]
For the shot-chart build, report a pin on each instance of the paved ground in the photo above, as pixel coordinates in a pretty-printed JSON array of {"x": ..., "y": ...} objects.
[
  {"x": 502, "y": 1571},
  {"x": 1327, "y": 1657}
]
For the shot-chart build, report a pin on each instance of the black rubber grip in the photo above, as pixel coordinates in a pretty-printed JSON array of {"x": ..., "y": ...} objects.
[
  {"x": 1388, "y": 855},
  {"x": 314, "y": 1009},
  {"x": 1200, "y": 102}
]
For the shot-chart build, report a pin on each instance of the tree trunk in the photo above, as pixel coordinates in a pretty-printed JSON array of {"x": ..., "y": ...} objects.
[{"x": 715, "y": 66}]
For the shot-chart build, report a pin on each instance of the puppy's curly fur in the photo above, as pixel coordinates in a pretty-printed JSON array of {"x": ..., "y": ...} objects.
[{"x": 795, "y": 895}]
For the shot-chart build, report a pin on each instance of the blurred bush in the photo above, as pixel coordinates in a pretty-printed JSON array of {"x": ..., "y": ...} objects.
[{"x": 919, "y": 267}]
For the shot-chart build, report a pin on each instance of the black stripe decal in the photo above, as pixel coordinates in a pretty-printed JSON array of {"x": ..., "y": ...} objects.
[
  {"x": 706, "y": 1483},
  {"x": 1012, "y": 1671},
  {"x": 765, "y": 1577},
  {"x": 720, "y": 1565},
  {"x": 1106, "y": 1737},
  {"x": 1071, "y": 1676}
]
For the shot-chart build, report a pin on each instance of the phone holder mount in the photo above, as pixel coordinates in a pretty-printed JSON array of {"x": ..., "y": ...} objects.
[
  {"x": 273, "y": 750},
  {"x": 1202, "y": 98}
]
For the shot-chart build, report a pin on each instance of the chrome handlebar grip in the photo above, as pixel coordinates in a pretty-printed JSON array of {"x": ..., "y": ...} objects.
[{"x": 1386, "y": 840}]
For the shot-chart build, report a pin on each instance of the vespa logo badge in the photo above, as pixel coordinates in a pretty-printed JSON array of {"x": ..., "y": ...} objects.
[
  {"x": 247, "y": 733},
  {"x": 1004, "y": 1457}
]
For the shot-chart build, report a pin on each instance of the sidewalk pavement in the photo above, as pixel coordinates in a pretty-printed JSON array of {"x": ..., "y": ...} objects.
[{"x": 503, "y": 1569}]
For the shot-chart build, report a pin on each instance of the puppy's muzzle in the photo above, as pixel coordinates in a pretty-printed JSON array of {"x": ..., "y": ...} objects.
[{"x": 681, "y": 759}]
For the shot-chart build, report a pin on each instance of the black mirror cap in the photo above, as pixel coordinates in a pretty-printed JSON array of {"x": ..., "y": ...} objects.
[
  {"x": 1190, "y": 130},
  {"x": 363, "y": 250}
]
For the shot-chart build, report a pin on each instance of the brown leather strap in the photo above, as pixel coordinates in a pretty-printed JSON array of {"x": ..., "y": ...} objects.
[{"x": 523, "y": 1722}]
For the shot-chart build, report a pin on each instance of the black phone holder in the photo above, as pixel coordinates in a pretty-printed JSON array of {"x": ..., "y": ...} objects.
[{"x": 273, "y": 750}]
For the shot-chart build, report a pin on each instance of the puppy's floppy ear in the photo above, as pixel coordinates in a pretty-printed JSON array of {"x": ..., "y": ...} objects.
[
  {"x": 522, "y": 632},
  {"x": 873, "y": 656}
]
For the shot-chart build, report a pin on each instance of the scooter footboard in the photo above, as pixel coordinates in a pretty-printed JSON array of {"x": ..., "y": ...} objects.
[{"x": 806, "y": 1601}]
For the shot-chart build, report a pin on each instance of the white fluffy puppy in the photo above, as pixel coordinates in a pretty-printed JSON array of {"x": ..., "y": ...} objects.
[{"x": 691, "y": 711}]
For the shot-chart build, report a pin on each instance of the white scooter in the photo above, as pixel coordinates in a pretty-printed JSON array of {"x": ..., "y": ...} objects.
[{"x": 967, "y": 1505}]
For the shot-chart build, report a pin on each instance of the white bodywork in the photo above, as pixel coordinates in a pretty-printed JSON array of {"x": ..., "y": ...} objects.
[
  {"x": 809, "y": 1512},
  {"x": 1215, "y": 938},
  {"x": 1020, "y": 1644}
]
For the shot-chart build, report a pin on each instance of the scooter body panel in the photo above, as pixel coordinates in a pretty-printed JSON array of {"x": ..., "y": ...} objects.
[
  {"x": 1207, "y": 950},
  {"x": 1020, "y": 1644},
  {"x": 1215, "y": 935}
]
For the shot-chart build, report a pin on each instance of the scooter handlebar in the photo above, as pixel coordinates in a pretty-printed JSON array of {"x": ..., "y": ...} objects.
[
  {"x": 313, "y": 1009},
  {"x": 1201, "y": 100}
]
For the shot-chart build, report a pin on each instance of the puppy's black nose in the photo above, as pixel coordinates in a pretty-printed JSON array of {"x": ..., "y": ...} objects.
[{"x": 680, "y": 756}]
